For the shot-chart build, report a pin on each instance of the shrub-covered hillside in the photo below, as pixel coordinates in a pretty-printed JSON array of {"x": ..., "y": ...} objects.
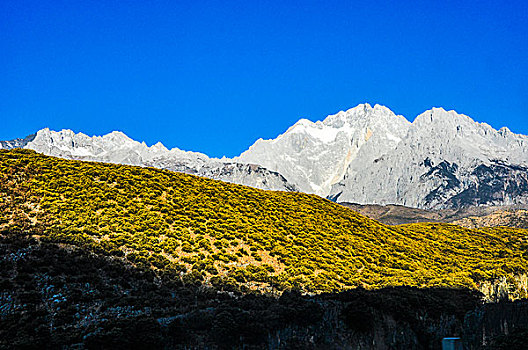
[
  {"x": 231, "y": 236},
  {"x": 56, "y": 298}
]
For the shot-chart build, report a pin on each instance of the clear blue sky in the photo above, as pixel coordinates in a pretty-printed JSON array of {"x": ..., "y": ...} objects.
[{"x": 213, "y": 76}]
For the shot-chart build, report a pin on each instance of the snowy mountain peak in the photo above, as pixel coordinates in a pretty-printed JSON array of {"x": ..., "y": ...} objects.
[
  {"x": 364, "y": 115},
  {"x": 505, "y": 132},
  {"x": 46, "y": 132},
  {"x": 118, "y": 136},
  {"x": 439, "y": 114},
  {"x": 366, "y": 154},
  {"x": 316, "y": 130},
  {"x": 303, "y": 123},
  {"x": 159, "y": 147},
  {"x": 316, "y": 155}
]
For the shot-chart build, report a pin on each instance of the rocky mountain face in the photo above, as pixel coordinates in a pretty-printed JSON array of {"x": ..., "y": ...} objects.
[
  {"x": 365, "y": 155},
  {"x": 17, "y": 143},
  {"x": 446, "y": 160},
  {"x": 118, "y": 148},
  {"x": 243, "y": 174},
  {"x": 317, "y": 156},
  {"x": 369, "y": 155}
]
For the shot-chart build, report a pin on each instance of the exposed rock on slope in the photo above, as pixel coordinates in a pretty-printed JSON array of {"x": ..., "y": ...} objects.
[{"x": 509, "y": 218}]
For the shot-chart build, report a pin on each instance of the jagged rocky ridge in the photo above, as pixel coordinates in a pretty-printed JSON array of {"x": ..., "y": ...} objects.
[
  {"x": 116, "y": 147},
  {"x": 446, "y": 160},
  {"x": 369, "y": 155},
  {"x": 17, "y": 143},
  {"x": 365, "y": 155}
]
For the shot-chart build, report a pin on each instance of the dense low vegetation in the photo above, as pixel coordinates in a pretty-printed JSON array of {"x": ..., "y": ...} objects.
[
  {"x": 234, "y": 237},
  {"x": 102, "y": 256},
  {"x": 61, "y": 297}
]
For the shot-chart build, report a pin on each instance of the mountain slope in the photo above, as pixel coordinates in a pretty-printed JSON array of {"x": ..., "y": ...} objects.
[
  {"x": 116, "y": 147},
  {"x": 56, "y": 296},
  {"x": 471, "y": 217},
  {"x": 226, "y": 234},
  {"x": 446, "y": 160},
  {"x": 509, "y": 218},
  {"x": 316, "y": 156},
  {"x": 96, "y": 255},
  {"x": 366, "y": 155}
]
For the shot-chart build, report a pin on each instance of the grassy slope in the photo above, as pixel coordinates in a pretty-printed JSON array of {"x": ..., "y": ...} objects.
[{"x": 231, "y": 235}]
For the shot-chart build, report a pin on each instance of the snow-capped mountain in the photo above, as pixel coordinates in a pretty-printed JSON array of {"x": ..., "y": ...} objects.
[
  {"x": 369, "y": 155},
  {"x": 446, "y": 160},
  {"x": 315, "y": 156},
  {"x": 366, "y": 155},
  {"x": 116, "y": 147},
  {"x": 17, "y": 143}
]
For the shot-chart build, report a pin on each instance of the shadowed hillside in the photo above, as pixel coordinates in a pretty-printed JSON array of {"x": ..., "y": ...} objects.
[{"x": 59, "y": 296}]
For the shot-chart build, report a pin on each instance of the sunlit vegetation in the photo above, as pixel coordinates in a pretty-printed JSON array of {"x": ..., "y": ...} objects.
[{"x": 204, "y": 231}]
